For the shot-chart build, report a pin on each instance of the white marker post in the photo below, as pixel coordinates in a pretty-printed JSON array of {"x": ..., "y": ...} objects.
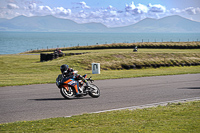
[{"x": 95, "y": 68}]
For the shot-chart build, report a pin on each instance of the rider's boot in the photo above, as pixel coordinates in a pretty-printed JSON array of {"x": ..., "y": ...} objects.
[{"x": 81, "y": 92}]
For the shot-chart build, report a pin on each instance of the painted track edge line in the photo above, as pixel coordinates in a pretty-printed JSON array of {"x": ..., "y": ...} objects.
[{"x": 147, "y": 105}]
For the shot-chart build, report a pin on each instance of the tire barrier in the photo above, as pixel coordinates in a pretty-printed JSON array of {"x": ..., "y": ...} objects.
[
  {"x": 69, "y": 54},
  {"x": 51, "y": 56}
]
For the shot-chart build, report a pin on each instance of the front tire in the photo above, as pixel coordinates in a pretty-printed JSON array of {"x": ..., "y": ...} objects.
[
  {"x": 94, "y": 91},
  {"x": 67, "y": 94}
]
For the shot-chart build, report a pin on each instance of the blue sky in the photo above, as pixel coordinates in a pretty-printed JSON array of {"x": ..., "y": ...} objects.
[{"x": 112, "y": 13}]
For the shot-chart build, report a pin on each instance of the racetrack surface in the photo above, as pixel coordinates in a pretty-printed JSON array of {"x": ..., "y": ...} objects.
[{"x": 33, "y": 102}]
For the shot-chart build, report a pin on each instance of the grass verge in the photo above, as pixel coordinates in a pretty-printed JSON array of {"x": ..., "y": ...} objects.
[{"x": 181, "y": 117}]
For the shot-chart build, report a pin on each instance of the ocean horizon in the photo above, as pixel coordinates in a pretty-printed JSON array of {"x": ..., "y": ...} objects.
[{"x": 18, "y": 42}]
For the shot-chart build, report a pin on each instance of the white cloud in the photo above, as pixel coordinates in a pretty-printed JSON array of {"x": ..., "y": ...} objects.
[
  {"x": 97, "y": 14},
  {"x": 113, "y": 13},
  {"x": 45, "y": 8},
  {"x": 186, "y": 11},
  {"x": 141, "y": 9},
  {"x": 174, "y": 11},
  {"x": 130, "y": 7},
  {"x": 192, "y": 10},
  {"x": 32, "y": 6},
  {"x": 35, "y": 10},
  {"x": 110, "y": 7},
  {"x": 81, "y": 14},
  {"x": 62, "y": 11},
  {"x": 83, "y": 5},
  {"x": 157, "y": 8},
  {"x": 12, "y": 6},
  {"x": 135, "y": 10}
]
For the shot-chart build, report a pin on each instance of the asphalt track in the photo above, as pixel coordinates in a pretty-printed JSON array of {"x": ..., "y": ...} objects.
[{"x": 33, "y": 102}]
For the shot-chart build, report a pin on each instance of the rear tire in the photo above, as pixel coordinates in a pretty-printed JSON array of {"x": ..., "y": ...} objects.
[
  {"x": 94, "y": 91},
  {"x": 67, "y": 94}
]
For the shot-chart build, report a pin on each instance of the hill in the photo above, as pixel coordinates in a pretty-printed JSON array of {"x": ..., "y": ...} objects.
[
  {"x": 170, "y": 24},
  {"x": 48, "y": 24}
]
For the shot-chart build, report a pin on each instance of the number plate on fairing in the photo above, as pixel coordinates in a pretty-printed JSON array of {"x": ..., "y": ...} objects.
[{"x": 72, "y": 82}]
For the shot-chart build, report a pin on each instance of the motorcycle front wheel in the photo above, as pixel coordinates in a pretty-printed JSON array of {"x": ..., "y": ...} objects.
[
  {"x": 94, "y": 91},
  {"x": 67, "y": 94}
]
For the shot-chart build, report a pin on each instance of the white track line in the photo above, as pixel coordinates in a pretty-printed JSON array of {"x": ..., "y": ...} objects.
[{"x": 149, "y": 105}]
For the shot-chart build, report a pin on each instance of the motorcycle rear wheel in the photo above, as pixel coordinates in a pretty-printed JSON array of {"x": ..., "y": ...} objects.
[
  {"x": 67, "y": 94},
  {"x": 94, "y": 91}
]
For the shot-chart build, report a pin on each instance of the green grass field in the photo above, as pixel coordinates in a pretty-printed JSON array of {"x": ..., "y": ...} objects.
[
  {"x": 173, "y": 118},
  {"x": 25, "y": 69}
]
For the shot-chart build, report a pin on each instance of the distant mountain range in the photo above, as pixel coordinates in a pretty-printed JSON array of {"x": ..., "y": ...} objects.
[{"x": 170, "y": 24}]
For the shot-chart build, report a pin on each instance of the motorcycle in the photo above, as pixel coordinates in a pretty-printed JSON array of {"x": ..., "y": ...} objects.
[{"x": 71, "y": 88}]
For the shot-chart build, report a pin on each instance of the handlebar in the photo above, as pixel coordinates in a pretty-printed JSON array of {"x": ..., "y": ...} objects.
[{"x": 89, "y": 79}]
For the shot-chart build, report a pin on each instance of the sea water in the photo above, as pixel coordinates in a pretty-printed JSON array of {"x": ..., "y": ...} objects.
[{"x": 17, "y": 42}]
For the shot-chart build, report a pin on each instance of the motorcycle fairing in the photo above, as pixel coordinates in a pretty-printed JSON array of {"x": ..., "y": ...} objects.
[
  {"x": 85, "y": 76},
  {"x": 71, "y": 82}
]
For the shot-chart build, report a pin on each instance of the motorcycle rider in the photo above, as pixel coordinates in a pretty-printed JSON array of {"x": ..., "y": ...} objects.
[{"x": 68, "y": 73}]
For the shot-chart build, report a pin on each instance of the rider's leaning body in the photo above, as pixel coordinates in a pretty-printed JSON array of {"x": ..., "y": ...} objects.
[{"x": 69, "y": 73}]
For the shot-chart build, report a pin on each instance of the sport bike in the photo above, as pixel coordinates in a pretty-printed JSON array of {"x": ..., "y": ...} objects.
[{"x": 71, "y": 88}]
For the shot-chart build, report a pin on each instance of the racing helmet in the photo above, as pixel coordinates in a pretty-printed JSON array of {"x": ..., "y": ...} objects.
[{"x": 64, "y": 68}]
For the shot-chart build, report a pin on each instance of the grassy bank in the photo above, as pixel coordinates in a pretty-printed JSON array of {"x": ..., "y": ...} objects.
[
  {"x": 117, "y": 59},
  {"x": 27, "y": 69},
  {"x": 181, "y": 117},
  {"x": 152, "y": 45}
]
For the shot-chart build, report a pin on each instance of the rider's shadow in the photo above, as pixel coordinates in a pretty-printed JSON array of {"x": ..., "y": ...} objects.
[
  {"x": 48, "y": 99},
  {"x": 57, "y": 99}
]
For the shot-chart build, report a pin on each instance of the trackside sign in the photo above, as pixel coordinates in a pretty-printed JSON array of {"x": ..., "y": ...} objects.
[{"x": 95, "y": 68}]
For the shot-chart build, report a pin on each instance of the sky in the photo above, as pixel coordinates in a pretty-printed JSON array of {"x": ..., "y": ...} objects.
[{"x": 112, "y": 13}]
